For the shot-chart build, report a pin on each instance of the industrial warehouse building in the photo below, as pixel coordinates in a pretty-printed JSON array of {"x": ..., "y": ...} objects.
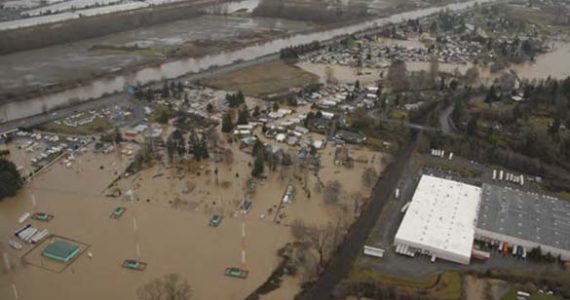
[
  {"x": 440, "y": 219},
  {"x": 445, "y": 216},
  {"x": 526, "y": 219}
]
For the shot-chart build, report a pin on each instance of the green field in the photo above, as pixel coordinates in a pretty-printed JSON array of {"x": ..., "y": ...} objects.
[{"x": 263, "y": 79}]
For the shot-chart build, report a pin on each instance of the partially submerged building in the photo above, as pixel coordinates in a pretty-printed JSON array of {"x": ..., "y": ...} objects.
[{"x": 350, "y": 137}]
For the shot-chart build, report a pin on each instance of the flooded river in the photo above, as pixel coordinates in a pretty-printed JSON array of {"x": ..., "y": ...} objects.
[
  {"x": 181, "y": 67},
  {"x": 68, "y": 62}
]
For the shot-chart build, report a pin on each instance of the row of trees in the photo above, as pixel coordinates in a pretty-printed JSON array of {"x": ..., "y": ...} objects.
[
  {"x": 173, "y": 89},
  {"x": 242, "y": 118},
  {"x": 293, "y": 52},
  {"x": 177, "y": 148},
  {"x": 235, "y": 99}
]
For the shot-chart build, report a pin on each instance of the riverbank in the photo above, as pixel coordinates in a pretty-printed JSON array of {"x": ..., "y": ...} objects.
[{"x": 182, "y": 67}]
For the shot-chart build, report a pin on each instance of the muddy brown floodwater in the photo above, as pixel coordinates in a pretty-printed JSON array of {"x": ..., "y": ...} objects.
[
  {"x": 166, "y": 223},
  {"x": 554, "y": 64}
]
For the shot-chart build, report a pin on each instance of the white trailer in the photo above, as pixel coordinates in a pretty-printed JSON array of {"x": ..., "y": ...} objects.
[
  {"x": 397, "y": 193},
  {"x": 373, "y": 251},
  {"x": 494, "y": 174},
  {"x": 501, "y": 175},
  {"x": 405, "y": 207},
  {"x": 450, "y": 155},
  {"x": 522, "y": 179}
]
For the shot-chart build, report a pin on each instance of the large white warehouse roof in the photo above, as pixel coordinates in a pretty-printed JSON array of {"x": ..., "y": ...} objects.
[{"x": 441, "y": 219}]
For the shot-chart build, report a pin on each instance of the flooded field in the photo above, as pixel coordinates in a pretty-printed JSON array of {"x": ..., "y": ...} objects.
[{"x": 61, "y": 63}]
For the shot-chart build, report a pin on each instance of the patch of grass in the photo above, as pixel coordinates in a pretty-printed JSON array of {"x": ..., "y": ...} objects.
[
  {"x": 263, "y": 79},
  {"x": 375, "y": 144},
  {"x": 539, "y": 123},
  {"x": 449, "y": 286},
  {"x": 367, "y": 274},
  {"x": 399, "y": 114},
  {"x": 446, "y": 286},
  {"x": 480, "y": 105},
  {"x": 563, "y": 195},
  {"x": 200, "y": 49},
  {"x": 148, "y": 52},
  {"x": 100, "y": 124},
  {"x": 543, "y": 19},
  {"x": 162, "y": 115},
  {"x": 512, "y": 295}
]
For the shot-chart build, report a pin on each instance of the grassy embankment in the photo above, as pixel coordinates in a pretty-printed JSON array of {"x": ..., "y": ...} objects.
[{"x": 444, "y": 286}]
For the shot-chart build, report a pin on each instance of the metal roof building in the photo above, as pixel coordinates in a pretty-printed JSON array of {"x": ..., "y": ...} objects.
[
  {"x": 440, "y": 219},
  {"x": 525, "y": 218}
]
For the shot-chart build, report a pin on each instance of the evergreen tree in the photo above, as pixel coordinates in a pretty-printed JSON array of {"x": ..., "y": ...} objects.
[
  {"x": 258, "y": 166},
  {"x": 227, "y": 124},
  {"x": 240, "y": 98},
  {"x": 10, "y": 179},
  {"x": 472, "y": 126},
  {"x": 186, "y": 99},
  {"x": 243, "y": 116},
  {"x": 165, "y": 91},
  {"x": 258, "y": 148},
  {"x": 178, "y": 139},
  {"x": 491, "y": 95},
  {"x": 256, "y": 111},
  {"x": 204, "y": 148}
]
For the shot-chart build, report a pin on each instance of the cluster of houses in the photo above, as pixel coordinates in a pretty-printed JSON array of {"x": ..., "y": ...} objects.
[
  {"x": 141, "y": 131},
  {"x": 375, "y": 53},
  {"x": 339, "y": 97},
  {"x": 46, "y": 147}
]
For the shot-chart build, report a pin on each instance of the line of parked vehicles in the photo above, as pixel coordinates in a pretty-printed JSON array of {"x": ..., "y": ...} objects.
[{"x": 503, "y": 248}]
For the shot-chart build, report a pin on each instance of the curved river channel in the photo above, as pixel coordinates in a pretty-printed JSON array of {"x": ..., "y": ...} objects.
[{"x": 180, "y": 67}]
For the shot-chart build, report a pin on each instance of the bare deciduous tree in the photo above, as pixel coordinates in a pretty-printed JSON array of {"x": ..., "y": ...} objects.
[
  {"x": 472, "y": 75},
  {"x": 298, "y": 229},
  {"x": 228, "y": 156},
  {"x": 213, "y": 137},
  {"x": 331, "y": 192},
  {"x": 169, "y": 287},
  {"x": 329, "y": 75},
  {"x": 433, "y": 67},
  {"x": 369, "y": 177}
]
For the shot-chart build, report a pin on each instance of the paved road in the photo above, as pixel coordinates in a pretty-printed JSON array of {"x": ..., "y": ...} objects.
[
  {"x": 445, "y": 122},
  {"x": 342, "y": 262}
]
